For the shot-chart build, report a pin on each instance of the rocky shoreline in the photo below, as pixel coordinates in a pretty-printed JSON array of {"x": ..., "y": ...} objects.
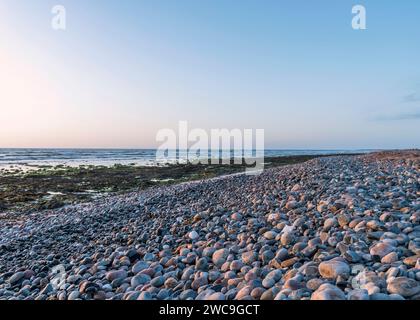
[
  {"x": 334, "y": 228},
  {"x": 51, "y": 187}
]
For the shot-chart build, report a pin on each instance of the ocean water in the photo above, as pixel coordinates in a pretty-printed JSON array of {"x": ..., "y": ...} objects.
[{"x": 15, "y": 158}]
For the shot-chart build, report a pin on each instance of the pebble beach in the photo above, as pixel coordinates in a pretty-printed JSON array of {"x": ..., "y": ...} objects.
[{"x": 333, "y": 228}]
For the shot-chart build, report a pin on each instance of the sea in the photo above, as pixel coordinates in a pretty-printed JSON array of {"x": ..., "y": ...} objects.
[{"x": 32, "y": 158}]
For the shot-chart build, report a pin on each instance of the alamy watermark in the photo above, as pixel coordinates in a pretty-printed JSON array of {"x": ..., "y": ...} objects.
[
  {"x": 219, "y": 146},
  {"x": 359, "y": 19},
  {"x": 59, "y": 19}
]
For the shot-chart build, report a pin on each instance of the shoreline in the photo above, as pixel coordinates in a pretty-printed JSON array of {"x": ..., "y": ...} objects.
[
  {"x": 54, "y": 187},
  {"x": 331, "y": 228}
]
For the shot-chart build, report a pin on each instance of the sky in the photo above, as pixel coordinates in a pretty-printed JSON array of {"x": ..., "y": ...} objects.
[{"x": 122, "y": 70}]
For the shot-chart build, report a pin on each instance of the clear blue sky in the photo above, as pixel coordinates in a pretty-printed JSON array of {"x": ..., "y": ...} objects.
[{"x": 124, "y": 69}]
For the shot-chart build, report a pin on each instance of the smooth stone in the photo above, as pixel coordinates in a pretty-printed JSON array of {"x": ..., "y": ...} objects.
[
  {"x": 236, "y": 216},
  {"x": 379, "y": 296},
  {"x": 268, "y": 282},
  {"x": 140, "y": 279},
  {"x": 328, "y": 292},
  {"x": 314, "y": 284},
  {"x": 163, "y": 294},
  {"x": 358, "y": 294},
  {"x": 390, "y": 258},
  {"x": 202, "y": 264},
  {"x": 216, "y": 296},
  {"x": 330, "y": 223},
  {"x": 381, "y": 249},
  {"x": 15, "y": 278},
  {"x": 236, "y": 265},
  {"x": 157, "y": 281},
  {"x": 282, "y": 254},
  {"x": 145, "y": 296},
  {"x": 404, "y": 286},
  {"x": 47, "y": 289},
  {"x": 139, "y": 266},
  {"x": 74, "y": 295},
  {"x": 275, "y": 274},
  {"x": 412, "y": 261},
  {"x": 193, "y": 235},
  {"x": 270, "y": 235},
  {"x": 287, "y": 238},
  {"x": 219, "y": 257},
  {"x": 333, "y": 268},
  {"x": 249, "y": 257},
  {"x": 188, "y": 295},
  {"x": 116, "y": 274},
  {"x": 199, "y": 282}
]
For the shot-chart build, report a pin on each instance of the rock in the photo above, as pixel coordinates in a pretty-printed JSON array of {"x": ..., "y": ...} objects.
[
  {"x": 216, "y": 296},
  {"x": 390, "y": 258},
  {"x": 330, "y": 223},
  {"x": 268, "y": 282},
  {"x": 281, "y": 254},
  {"x": 145, "y": 296},
  {"x": 381, "y": 249},
  {"x": 236, "y": 216},
  {"x": 193, "y": 235},
  {"x": 243, "y": 293},
  {"x": 314, "y": 284},
  {"x": 379, "y": 296},
  {"x": 404, "y": 286},
  {"x": 199, "y": 282},
  {"x": 270, "y": 235},
  {"x": 16, "y": 277},
  {"x": 328, "y": 292},
  {"x": 292, "y": 284},
  {"x": 291, "y": 205},
  {"x": 170, "y": 283},
  {"x": 236, "y": 265},
  {"x": 163, "y": 294},
  {"x": 396, "y": 297},
  {"x": 149, "y": 257},
  {"x": 249, "y": 257},
  {"x": 47, "y": 289},
  {"x": 74, "y": 295},
  {"x": 352, "y": 256},
  {"x": 342, "y": 220},
  {"x": 289, "y": 262},
  {"x": 219, "y": 257},
  {"x": 188, "y": 295},
  {"x": 139, "y": 266},
  {"x": 333, "y": 268},
  {"x": 296, "y": 187},
  {"x": 88, "y": 287},
  {"x": 364, "y": 278},
  {"x": 414, "y": 246},
  {"x": 157, "y": 281},
  {"x": 411, "y": 261},
  {"x": 116, "y": 274},
  {"x": 202, "y": 264},
  {"x": 287, "y": 238},
  {"x": 358, "y": 294},
  {"x": 140, "y": 279}
]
